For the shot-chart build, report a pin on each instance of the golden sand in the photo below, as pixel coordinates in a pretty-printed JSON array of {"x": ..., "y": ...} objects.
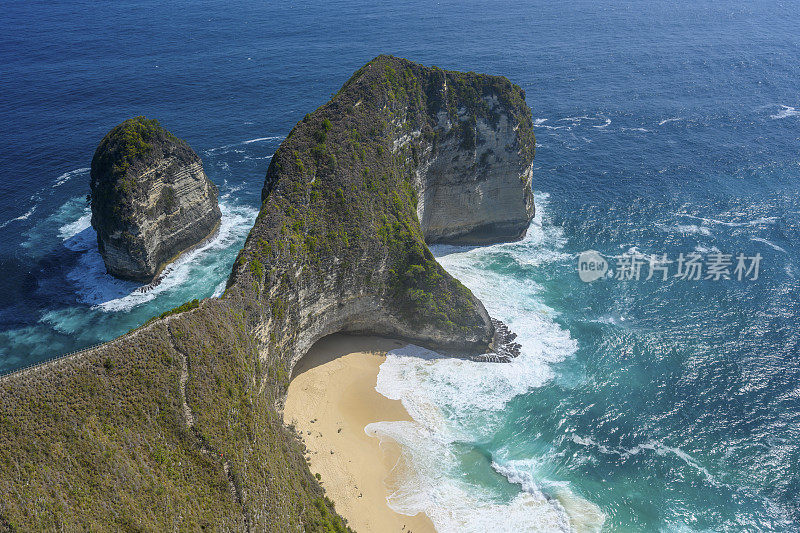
[{"x": 331, "y": 399}]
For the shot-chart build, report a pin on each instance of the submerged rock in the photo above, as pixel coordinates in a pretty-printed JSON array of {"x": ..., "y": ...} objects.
[{"x": 151, "y": 199}]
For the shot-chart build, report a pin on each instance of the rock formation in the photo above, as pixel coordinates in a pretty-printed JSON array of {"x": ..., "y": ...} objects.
[
  {"x": 176, "y": 425},
  {"x": 150, "y": 199},
  {"x": 339, "y": 241},
  {"x": 473, "y": 179}
]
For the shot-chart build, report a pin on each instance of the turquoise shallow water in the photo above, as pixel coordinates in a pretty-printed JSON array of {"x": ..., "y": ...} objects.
[
  {"x": 634, "y": 405},
  {"x": 661, "y": 128}
]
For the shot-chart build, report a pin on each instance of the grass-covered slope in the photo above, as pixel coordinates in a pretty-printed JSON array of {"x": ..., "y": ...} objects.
[
  {"x": 176, "y": 426},
  {"x": 102, "y": 442}
]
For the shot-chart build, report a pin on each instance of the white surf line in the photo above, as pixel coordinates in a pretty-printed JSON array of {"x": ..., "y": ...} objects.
[
  {"x": 24, "y": 216},
  {"x": 785, "y": 112},
  {"x": 768, "y": 243},
  {"x": 754, "y": 222},
  {"x": 652, "y": 445},
  {"x": 604, "y": 126},
  {"x": 66, "y": 176},
  {"x": 243, "y": 143},
  {"x": 260, "y": 139}
]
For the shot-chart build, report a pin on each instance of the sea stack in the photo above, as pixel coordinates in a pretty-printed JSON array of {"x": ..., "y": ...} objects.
[
  {"x": 402, "y": 156},
  {"x": 151, "y": 199},
  {"x": 339, "y": 246}
]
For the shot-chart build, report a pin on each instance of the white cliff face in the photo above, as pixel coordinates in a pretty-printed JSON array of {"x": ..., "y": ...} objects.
[
  {"x": 474, "y": 186},
  {"x": 168, "y": 206}
]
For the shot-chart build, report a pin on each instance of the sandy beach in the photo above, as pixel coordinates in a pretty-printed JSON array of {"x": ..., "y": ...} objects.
[{"x": 331, "y": 399}]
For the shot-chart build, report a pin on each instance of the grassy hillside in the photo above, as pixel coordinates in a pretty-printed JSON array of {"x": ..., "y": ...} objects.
[
  {"x": 177, "y": 426},
  {"x": 102, "y": 443}
]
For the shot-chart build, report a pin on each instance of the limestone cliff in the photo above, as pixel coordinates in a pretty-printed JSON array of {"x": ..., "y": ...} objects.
[
  {"x": 473, "y": 174},
  {"x": 339, "y": 245},
  {"x": 176, "y": 425},
  {"x": 150, "y": 199}
]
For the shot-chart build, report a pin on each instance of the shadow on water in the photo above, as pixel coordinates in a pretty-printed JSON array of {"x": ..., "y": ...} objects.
[{"x": 69, "y": 278}]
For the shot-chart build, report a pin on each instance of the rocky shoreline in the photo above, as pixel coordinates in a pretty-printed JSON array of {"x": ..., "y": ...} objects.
[{"x": 350, "y": 200}]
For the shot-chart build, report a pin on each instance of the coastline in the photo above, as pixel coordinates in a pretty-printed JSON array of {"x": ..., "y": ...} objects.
[{"x": 331, "y": 398}]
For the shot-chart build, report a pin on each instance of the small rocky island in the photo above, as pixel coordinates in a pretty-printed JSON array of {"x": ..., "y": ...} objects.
[
  {"x": 151, "y": 199},
  {"x": 177, "y": 424}
]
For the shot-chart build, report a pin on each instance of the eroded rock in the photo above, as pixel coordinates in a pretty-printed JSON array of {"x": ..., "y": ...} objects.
[{"x": 151, "y": 199}]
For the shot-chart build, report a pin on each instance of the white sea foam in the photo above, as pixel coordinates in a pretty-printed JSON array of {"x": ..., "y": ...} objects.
[
  {"x": 41, "y": 236},
  {"x": 23, "y": 216},
  {"x": 70, "y": 321},
  {"x": 219, "y": 289},
  {"x": 760, "y": 221},
  {"x": 584, "y": 516},
  {"x": 256, "y": 158},
  {"x": 706, "y": 249},
  {"x": 539, "y": 121},
  {"x": 233, "y": 146},
  {"x": 605, "y": 125},
  {"x": 668, "y": 120},
  {"x": 520, "y": 477},
  {"x": 785, "y": 112},
  {"x": 693, "y": 229},
  {"x": 66, "y": 176},
  {"x": 229, "y": 190},
  {"x": 547, "y": 127},
  {"x": 768, "y": 243},
  {"x": 431, "y": 484},
  {"x": 455, "y": 400},
  {"x": 73, "y": 228},
  {"x": 655, "y": 446},
  {"x": 99, "y": 289},
  {"x": 578, "y": 121},
  {"x": 685, "y": 229},
  {"x": 261, "y": 139}
]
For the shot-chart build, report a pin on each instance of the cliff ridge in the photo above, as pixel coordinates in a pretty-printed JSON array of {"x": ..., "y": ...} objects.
[{"x": 176, "y": 425}]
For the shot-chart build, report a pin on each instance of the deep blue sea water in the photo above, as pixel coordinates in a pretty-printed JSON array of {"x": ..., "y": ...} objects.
[{"x": 661, "y": 128}]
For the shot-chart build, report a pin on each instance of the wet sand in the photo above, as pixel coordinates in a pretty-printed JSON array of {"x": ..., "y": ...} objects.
[{"x": 331, "y": 399}]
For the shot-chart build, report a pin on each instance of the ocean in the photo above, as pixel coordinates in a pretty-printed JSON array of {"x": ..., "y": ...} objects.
[{"x": 662, "y": 128}]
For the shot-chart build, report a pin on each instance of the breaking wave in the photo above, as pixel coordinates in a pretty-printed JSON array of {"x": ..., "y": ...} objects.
[
  {"x": 455, "y": 401},
  {"x": 785, "y": 112}
]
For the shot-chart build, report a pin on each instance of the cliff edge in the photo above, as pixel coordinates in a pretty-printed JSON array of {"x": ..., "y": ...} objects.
[
  {"x": 356, "y": 189},
  {"x": 176, "y": 425},
  {"x": 150, "y": 199}
]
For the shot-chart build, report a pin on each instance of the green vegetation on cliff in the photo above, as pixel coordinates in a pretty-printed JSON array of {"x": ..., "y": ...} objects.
[
  {"x": 177, "y": 425},
  {"x": 127, "y": 148},
  {"x": 131, "y": 141},
  {"x": 102, "y": 443},
  {"x": 150, "y": 199},
  {"x": 342, "y": 185}
]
